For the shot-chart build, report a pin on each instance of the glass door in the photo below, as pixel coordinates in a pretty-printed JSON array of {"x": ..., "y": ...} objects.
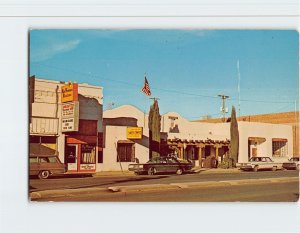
[{"x": 71, "y": 157}]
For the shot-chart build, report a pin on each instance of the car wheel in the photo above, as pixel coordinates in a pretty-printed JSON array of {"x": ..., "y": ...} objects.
[
  {"x": 151, "y": 171},
  {"x": 274, "y": 168},
  {"x": 179, "y": 171},
  {"x": 255, "y": 169},
  {"x": 44, "y": 174}
]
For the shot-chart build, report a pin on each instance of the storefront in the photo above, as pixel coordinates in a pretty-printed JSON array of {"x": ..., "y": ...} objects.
[
  {"x": 81, "y": 153},
  {"x": 199, "y": 150}
]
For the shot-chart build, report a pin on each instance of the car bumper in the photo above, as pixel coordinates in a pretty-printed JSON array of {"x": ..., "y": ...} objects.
[
  {"x": 246, "y": 168},
  {"x": 289, "y": 166}
]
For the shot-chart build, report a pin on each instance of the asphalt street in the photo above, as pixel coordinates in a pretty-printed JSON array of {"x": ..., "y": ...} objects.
[
  {"x": 272, "y": 192},
  {"x": 107, "y": 181}
]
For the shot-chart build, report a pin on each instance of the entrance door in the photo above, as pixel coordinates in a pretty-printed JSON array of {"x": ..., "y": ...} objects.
[
  {"x": 254, "y": 152},
  {"x": 71, "y": 157}
]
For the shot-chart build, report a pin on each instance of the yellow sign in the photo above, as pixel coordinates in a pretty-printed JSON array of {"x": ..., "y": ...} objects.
[
  {"x": 134, "y": 132},
  {"x": 69, "y": 92}
]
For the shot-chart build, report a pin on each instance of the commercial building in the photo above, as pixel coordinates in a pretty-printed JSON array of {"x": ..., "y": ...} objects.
[
  {"x": 66, "y": 119},
  {"x": 196, "y": 141},
  {"x": 283, "y": 118}
]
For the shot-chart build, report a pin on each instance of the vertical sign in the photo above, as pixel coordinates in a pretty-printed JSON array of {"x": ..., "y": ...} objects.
[
  {"x": 69, "y": 92},
  {"x": 70, "y": 116}
]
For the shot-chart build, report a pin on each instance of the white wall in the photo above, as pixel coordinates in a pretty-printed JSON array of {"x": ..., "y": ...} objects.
[
  {"x": 264, "y": 130},
  {"x": 112, "y": 135}
]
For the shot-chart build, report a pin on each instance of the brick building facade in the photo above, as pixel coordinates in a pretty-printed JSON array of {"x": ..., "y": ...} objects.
[{"x": 286, "y": 118}]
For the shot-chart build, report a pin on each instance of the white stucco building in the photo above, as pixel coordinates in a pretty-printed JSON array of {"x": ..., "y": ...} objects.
[{"x": 192, "y": 140}]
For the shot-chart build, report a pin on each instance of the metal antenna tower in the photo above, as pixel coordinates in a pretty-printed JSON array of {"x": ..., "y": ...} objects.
[{"x": 239, "y": 91}]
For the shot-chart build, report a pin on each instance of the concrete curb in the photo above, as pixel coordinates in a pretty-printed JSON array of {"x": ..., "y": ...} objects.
[
  {"x": 64, "y": 192},
  {"x": 152, "y": 187},
  {"x": 146, "y": 187}
]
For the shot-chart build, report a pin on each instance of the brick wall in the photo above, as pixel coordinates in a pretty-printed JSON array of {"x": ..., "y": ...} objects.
[{"x": 285, "y": 118}]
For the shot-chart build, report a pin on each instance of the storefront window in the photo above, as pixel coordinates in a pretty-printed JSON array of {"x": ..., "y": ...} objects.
[{"x": 88, "y": 154}]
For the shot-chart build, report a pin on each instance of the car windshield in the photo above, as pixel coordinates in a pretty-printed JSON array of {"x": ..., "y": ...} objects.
[{"x": 255, "y": 159}]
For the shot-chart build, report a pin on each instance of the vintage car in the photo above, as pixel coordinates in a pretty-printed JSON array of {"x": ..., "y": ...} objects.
[
  {"x": 161, "y": 165},
  {"x": 44, "y": 166},
  {"x": 260, "y": 163},
  {"x": 292, "y": 164}
]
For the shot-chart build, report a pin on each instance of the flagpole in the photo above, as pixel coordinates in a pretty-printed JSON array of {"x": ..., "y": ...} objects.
[
  {"x": 145, "y": 104},
  {"x": 146, "y": 90}
]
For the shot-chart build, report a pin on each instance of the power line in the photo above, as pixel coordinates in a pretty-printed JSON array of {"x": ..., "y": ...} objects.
[{"x": 160, "y": 89}]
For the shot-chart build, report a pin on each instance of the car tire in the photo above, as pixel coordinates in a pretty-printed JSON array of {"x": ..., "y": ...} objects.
[
  {"x": 274, "y": 168},
  {"x": 179, "y": 171},
  {"x": 44, "y": 174},
  {"x": 151, "y": 171},
  {"x": 255, "y": 169}
]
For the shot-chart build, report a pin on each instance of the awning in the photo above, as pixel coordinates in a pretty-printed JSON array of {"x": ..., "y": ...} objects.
[
  {"x": 257, "y": 139},
  {"x": 279, "y": 140},
  {"x": 125, "y": 141},
  {"x": 39, "y": 149}
]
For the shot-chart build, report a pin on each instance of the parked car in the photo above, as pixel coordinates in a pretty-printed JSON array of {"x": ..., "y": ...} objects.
[
  {"x": 44, "y": 166},
  {"x": 161, "y": 165},
  {"x": 292, "y": 164},
  {"x": 260, "y": 163}
]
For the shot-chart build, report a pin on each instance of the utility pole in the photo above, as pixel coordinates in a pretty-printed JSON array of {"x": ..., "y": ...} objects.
[
  {"x": 223, "y": 108},
  {"x": 154, "y": 98}
]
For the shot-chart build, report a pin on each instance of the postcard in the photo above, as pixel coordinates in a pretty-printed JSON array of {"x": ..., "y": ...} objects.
[{"x": 163, "y": 115}]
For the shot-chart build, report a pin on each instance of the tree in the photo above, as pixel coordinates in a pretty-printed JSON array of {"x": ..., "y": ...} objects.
[
  {"x": 154, "y": 130},
  {"x": 234, "y": 138}
]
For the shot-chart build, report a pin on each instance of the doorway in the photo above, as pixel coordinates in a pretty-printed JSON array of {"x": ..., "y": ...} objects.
[{"x": 71, "y": 157}]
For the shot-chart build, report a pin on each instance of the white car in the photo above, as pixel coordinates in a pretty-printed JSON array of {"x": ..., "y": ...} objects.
[{"x": 260, "y": 163}]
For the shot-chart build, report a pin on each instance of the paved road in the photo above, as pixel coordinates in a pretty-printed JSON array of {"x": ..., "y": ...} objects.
[
  {"x": 107, "y": 181},
  {"x": 272, "y": 192}
]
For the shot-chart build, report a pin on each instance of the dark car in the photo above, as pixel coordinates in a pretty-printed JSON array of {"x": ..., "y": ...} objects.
[
  {"x": 44, "y": 166},
  {"x": 161, "y": 165},
  {"x": 292, "y": 164}
]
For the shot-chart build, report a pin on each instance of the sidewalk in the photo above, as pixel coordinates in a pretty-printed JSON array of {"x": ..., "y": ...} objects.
[{"x": 194, "y": 170}]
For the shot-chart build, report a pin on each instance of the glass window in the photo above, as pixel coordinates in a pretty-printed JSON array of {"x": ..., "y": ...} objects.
[
  {"x": 33, "y": 160},
  {"x": 88, "y": 154},
  {"x": 43, "y": 160},
  {"x": 52, "y": 160},
  {"x": 279, "y": 148}
]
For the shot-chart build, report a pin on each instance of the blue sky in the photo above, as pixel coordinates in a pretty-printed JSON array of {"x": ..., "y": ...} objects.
[{"x": 186, "y": 69}]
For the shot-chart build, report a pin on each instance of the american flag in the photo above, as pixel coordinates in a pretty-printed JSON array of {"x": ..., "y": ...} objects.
[{"x": 146, "y": 88}]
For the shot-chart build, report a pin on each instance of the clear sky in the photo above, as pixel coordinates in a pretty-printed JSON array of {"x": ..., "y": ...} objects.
[{"x": 186, "y": 69}]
